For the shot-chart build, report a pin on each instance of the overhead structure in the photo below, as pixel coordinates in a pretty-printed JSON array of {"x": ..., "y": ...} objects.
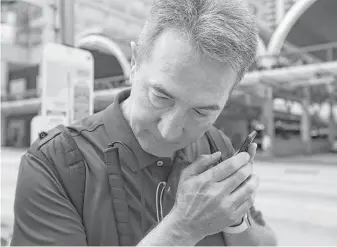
[
  {"x": 280, "y": 34},
  {"x": 280, "y": 72},
  {"x": 293, "y": 73},
  {"x": 108, "y": 45}
]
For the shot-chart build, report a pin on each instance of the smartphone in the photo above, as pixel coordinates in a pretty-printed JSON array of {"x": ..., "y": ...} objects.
[{"x": 249, "y": 140}]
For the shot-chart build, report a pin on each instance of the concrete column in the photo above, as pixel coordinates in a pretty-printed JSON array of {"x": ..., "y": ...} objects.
[
  {"x": 4, "y": 83},
  {"x": 280, "y": 11},
  {"x": 4, "y": 77},
  {"x": 306, "y": 121},
  {"x": 332, "y": 124},
  {"x": 268, "y": 119},
  {"x": 331, "y": 89},
  {"x": 3, "y": 129}
]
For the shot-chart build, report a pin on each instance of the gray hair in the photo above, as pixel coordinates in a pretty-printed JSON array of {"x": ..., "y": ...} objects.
[{"x": 223, "y": 30}]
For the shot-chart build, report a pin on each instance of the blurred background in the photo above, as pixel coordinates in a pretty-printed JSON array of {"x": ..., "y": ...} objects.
[{"x": 289, "y": 96}]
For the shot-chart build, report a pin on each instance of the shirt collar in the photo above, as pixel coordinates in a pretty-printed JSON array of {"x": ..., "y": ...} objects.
[{"x": 118, "y": 129}]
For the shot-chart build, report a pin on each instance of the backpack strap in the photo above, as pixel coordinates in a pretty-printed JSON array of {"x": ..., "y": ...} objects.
[
  {"x": 217, "y": 142},
  {"x": 118, "y": 193},
  {"x": 73, "y": 172}
]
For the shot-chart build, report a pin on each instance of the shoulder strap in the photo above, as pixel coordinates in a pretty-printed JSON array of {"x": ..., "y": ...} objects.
[
  {"x": 71, "y": 169},
  {"x": 220, "y": 142},
  {"x": 73, "y": 173},
  {"x": 118, "y": 193}
]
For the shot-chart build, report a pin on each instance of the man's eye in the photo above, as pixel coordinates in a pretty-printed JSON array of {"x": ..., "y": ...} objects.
[
  {"x": 161, "y": 97},
  {"x": 200, "y": 113},
  {"x": 159, "y": 101}
]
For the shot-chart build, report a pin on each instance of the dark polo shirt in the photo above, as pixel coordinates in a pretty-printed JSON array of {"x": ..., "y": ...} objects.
[{"x": 44, "y": 215}]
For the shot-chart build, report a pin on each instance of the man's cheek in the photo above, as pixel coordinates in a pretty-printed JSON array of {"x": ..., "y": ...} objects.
[{"x": 146, "y": 113}]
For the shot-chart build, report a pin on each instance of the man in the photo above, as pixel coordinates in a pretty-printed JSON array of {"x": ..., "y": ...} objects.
[{"x": 156, "y": 189}]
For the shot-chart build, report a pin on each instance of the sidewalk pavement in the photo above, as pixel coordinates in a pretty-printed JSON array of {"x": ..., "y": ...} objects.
[{"x": 314, "y": 159}]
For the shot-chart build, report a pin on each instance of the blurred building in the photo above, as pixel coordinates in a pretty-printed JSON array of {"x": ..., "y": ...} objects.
[{"x": 105, "y": 28}]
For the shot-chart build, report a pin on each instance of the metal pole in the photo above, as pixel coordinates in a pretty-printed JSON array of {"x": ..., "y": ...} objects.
[
  {"x": 306, "y": 120},
  {"x": 332, "y": 131},
  {"x": 67, "y": 22},
  {"x": 331, "y": 89}
]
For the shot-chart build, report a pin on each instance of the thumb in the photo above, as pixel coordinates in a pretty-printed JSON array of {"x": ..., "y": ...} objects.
[
  {"x": 202, "y": 163},
  {"x": 252, "y": 152}
]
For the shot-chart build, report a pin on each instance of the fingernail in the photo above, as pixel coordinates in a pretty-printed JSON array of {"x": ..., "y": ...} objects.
[{"x": 216, "y": 154}]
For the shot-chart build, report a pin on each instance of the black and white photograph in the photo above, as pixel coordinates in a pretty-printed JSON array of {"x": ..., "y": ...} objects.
[{"x": 168, "y": 122}]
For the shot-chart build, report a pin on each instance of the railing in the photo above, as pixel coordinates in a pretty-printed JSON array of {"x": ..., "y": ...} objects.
[
  {"x": 29, "y": 94},
  {"x": 99, "y": 85},
  {"x": 301, "y": 56}
]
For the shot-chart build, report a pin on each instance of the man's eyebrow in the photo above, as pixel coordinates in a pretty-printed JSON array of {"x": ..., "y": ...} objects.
[
  {"x": 209, "y": 107},
  {"x": 159, "y": 88},
  {"x": 162, "y": 90}
]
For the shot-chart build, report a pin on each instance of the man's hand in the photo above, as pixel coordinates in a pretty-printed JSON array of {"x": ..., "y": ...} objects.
[
  {"x": 252, "y": 152},
  {"x": 211, "y": 199}
]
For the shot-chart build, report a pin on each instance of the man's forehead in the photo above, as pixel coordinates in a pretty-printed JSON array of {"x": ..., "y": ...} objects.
[
  {"x": 177, "y": 66},
  {"x": 173, "y": 46}
]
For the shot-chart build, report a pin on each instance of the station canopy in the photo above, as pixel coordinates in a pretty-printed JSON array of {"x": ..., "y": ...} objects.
[{"x": 307, "y": 58}]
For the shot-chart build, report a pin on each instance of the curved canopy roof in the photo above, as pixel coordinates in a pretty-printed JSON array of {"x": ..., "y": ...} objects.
[{"x": 317, "y": 26}]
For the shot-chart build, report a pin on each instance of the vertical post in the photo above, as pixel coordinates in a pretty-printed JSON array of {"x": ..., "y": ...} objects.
[
  {"x": 4, "y": 77},
  {"x": 332, "y": 127},
  {"x": 306, "y": 120},
  {"x": 330, "y": 89},
  {"x": 3, "y": 129},
  {"x": 280, "y": 11},
  {"x": 67, "y": 22},
  {"x": 268, "y": 120},
  {"x": 4, "y": 83},
  {"x": 66, "y": 13}
]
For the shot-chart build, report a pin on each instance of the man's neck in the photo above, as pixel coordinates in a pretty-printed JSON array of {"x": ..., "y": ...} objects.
[{"x": 125, "y": 110}]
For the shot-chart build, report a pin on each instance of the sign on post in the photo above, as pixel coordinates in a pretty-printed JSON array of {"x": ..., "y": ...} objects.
[{"x": 67, "y": 82}]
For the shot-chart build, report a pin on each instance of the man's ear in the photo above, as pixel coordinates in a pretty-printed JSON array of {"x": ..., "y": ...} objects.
[{"x": 133, "y": 59}]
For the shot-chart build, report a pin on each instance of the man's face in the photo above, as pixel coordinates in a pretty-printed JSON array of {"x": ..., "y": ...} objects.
[{"x": 175, "y": 95}]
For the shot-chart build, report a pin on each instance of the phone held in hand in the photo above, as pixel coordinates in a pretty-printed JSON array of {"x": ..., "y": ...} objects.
[{"x": 249, "y": 140}]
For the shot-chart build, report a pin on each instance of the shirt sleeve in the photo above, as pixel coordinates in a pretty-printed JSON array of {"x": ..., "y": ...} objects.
[{"x": 43, "y": 214}]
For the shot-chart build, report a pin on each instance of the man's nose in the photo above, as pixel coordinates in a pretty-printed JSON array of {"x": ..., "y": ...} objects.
[{"x": 171, "y": 125}]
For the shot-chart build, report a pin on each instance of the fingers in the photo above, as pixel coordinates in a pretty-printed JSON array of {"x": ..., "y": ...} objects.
[
  {"x": 252, "y": 151},
  {"x": 246, "y": 191},
  {"x": 238, "y": 178},
  {"x": 243, "y": 208},
  {"x": 202, "y": 164},
  {"x": 227, "y": 167}
]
